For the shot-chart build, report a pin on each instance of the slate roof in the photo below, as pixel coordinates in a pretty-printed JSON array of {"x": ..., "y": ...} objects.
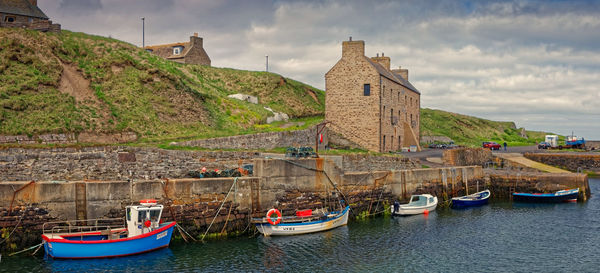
[
  {"x": 392, "y": 76},
  {"x": 21, "y": 7}
]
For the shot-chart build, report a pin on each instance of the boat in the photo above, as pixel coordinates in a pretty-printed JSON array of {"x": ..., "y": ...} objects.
[
  {"x": 305, "y": 221},
  {"x": 471, "y": 200},
  {"x": 142, "y": 231},
  {"x": 569, "y": 195},
  {"x": 422, "y": 203}
]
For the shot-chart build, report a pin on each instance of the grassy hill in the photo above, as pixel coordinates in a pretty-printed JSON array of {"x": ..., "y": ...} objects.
[
  {"x": 74, "y": 82},
  {"x": 471, "y": 131}
]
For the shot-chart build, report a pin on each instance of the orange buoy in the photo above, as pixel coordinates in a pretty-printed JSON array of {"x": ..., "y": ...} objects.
[{"x": 426, "y": 212}]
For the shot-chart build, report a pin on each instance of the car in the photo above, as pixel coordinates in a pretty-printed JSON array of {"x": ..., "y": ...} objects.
[
  {"x": 491, "y": 145},
  {"x": 544, "y": 145}
]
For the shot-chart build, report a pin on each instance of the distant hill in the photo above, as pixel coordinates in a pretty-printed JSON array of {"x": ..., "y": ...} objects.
[
  {"x": 471, "y": 131},
  {"x": 75, "y": 82}
]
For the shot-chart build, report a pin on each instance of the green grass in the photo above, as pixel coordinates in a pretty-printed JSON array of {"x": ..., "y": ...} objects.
[
  {"x": 472, "y": 131},
  {"x": 135, "y": 91}
]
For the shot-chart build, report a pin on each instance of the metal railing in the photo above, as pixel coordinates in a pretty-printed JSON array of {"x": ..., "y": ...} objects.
[{"x": 80, "y": 227}]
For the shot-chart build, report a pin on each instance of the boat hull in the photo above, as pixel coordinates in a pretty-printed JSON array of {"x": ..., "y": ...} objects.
[
  {"x": 77, "y": 249},
  {"x": 557, "y": 197},
  {"x": 473, "y": 200},
  {"x": 305, "y": 227},
  {"x": 408, "y": 209}
]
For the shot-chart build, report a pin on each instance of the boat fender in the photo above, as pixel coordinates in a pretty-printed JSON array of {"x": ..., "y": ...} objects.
[
  {"x": 270, "y": 220},
  {"x": 147, "y": 223}
]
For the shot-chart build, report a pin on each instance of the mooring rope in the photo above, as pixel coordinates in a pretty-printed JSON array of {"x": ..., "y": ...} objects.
[
  {"x": 29, "y": 248},
  {"x": 219, "y": 210}
]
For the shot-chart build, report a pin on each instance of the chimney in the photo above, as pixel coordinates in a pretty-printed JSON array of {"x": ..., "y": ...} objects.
[
  {"x": 402, "y": 72},
  {"x": 195, "y": 40},
  {"x": 383, "y": 61},
  {"x": 353, "y": 49},
  {"x": 33, "y": 2}
]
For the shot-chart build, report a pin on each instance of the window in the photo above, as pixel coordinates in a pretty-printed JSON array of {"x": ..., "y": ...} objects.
[
  {"x": 141, "y": 216},
  {"x": 177, "y": 50},
  {"x": 128, "y": 214},
  {"x": 384, "y": 142},
  {"x": 398, "y": 96},
  {"x": 367, "y": 89},
  {"x": 399, "y": 142},
  {"x": 383, "y": 94},
  {"x": 9, "y": 19},
  {"x": 392, "y": 117}
]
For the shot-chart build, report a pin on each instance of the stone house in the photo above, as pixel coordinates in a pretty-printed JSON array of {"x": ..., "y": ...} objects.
[
  {"x": 191, "y": 52},
  {"x": 370, "y": 104},
  {"x": 25, "y": 14}
]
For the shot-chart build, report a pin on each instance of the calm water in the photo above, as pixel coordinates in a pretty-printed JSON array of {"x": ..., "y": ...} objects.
[{"x": 500, "y": 237}]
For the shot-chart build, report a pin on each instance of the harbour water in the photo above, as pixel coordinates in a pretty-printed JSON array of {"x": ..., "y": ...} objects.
[{"x": 500, "y": 237}]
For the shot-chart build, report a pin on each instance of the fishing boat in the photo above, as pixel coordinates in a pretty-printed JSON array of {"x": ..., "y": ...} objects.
[
  {"x": 142, "y": 231},
  {"x": 569, "y": 195},
  {"x": 471, "y": 200},
  {"x": 422, "y": 203},
  {"x": 304, "y": 221}
]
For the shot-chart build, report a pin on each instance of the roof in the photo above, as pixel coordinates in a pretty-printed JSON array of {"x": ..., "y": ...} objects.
[
  {"x": 154, "y": 47},
  {"x": 165, "y": 50},
  {"x": 392, "y": 76},
  {"x": 21, "y": 7}
]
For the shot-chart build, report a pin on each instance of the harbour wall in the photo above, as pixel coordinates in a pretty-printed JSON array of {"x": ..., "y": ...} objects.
[
  {"x": 286, "y": 184},
  {"x": 503, "y": 183},
  {"x": 571, "y": 161}
]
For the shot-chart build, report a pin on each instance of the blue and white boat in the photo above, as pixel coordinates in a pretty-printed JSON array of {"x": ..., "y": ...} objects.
[
  {"x": 418, "y": 204},
  {"x": 569, "y": 195},
  {"x": 86, "y": 239},
  {"x": 301, "y": 223},
  {"x": 471, "y": 200}
]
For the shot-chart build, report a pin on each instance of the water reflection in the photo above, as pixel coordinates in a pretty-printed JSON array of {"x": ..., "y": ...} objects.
[{"x": 147, "y": 262}]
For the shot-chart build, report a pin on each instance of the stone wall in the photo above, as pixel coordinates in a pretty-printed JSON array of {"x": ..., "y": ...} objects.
[
  {"x": 111, "y": 163},
  {"x": 432, "y": 139},
  {"x": 504, "y": 183},
  {"x": 306, "y": 137},
  {"x": 285, "y": 184},
  {"x": 366, "y": 163},
  {"x": 69, "y": 138},
  {"x": 467, "y": 156},
  {"x": 569, "y": 161}
]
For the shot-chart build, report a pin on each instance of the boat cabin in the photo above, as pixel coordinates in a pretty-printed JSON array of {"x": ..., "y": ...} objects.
[
  {"x": 420, "y": 200},
  {"x": 143, "y": 218}
]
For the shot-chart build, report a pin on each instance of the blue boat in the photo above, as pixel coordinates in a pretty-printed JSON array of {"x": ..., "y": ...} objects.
[
  {"x": 98, "y": 238},
  {"x": 471, "y": 200},
  {"x": 569, "y": 195}
]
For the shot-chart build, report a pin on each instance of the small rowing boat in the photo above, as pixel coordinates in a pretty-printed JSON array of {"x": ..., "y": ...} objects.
[
  {"x": 569, "y": 195},
  {"x": 471, "y": 200}
]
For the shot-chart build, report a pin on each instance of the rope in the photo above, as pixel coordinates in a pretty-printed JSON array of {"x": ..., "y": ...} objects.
[
  {"x": 219, "y": 210},
  {"x": 30, "y": 248}
]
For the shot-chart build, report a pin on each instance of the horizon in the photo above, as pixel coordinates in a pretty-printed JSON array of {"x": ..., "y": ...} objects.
[{"x": 534, "y": 63}]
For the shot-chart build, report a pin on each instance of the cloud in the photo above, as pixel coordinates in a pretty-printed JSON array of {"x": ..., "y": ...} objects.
[{"x": 533, "y": 62}]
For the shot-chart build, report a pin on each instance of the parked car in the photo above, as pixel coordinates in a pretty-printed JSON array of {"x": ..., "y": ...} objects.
[
  {"x": 491, "y": 145},
  {"x": 544, "y": 145}
]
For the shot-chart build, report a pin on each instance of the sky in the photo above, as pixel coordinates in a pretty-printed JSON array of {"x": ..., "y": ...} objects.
[{"x": 536, "y": 63}]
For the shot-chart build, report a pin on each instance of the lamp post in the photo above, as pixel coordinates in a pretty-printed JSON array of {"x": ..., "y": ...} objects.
[
  {"x": 267, "y": 63},
  {"x": 143, "y": 33}
]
